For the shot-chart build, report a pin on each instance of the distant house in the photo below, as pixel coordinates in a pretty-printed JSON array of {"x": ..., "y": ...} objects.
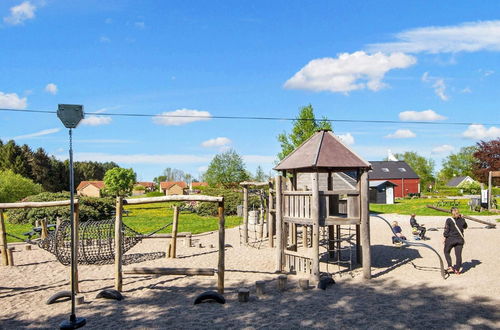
[
  {"x": 404, "y": 178},
  {"x": 173, "y": 187},
  {"x": 382, "y": 192},
  {"x": 458, "y": 181},
  {"x": 90, "y": 188},
  {"x": 195, "y": 185},
  {"x": 149, "y": 186}
]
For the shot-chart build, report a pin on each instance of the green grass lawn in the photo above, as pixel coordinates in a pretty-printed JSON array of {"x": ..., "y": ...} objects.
[
  {"x": 148, "y": 217},
  {"x": 419, "y": 207}
]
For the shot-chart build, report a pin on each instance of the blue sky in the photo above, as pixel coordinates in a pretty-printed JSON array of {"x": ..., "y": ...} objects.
[{"x": 385, "y": 60}]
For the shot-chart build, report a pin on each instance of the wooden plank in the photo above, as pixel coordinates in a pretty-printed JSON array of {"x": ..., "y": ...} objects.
[
  {"x": 175, "y": 224},
  {"x": 353, "y": 206},
  {"x": 315, "y": 228},
  {"x": 118, "y": 245},
  {"x": 300, "y": 221},
  {"x": 222, "y": 248},
  {"x": 490, "y": 199},
  {"x": 245, "y": 215},
  {"x": 254, "y": 183},
  {"x": 173, "y": 198},
  {"x": 297, "y": 193},
  {"x": 279, "y": 225},
  {"x": 365, "y": 225},
  {"x": 352, "y": 192},
  {"x": 340, "y": 221},
  {"x": 25, "y": 205},
  {"x": 270, "y": 220},
  {"x": 164, "y": 236},
  {"x": 3, "y": 240},
  {"x": 170, "y": 271},
  {"x": 464, "y": 216},
  {"x": 495, "y": 174}
]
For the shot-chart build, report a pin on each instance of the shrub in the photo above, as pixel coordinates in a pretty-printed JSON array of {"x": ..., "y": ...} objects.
[
  {"x": 91, "y": 208},
  {"x": 472, "y": 188},
  {"x": 154, "y": 194},
  {"x": 14, "y": 187}
]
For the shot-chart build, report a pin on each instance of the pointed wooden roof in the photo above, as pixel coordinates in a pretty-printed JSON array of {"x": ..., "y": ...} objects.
[{"x": 323, "y": 149}]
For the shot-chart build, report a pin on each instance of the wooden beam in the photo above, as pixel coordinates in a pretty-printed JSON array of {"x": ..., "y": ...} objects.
[
  {"x": 270, "y": 220},
  {"x": 181, "y": 234},
  {"x": 222, "y": 249},
  {"x": 365, "y": 225},
  {"x": 25, "y": 205},
  {"x": 279, "y": 225},
  {"x": 495, "y": 174},
  {"x": 170, "y": 271},
  {"x": 315, "y": 226},
  {"x": 173, "y": 242},
  {"x": 118, "y": 245},
  {"x": 173, "y": 198},
  {"x": 254, "y": 183},
  {"x": 3, "y": 240},
  {"x": 464, "y": 216},
  {"x": 245, "y": 215},
  {"x": 490, "y": 199}
]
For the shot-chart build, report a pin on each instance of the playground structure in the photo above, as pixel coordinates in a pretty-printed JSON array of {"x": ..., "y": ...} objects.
[
  {"x": 108, "y": 240},
  {"x": 321, "y": 194},
  {"x": 253, "y": 233}
]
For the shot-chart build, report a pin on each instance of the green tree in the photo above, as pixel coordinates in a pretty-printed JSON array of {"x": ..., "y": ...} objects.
[
  {"x": 226, "y": 169},
  {"x": 459, "y": 164},
  {"x": 422, "y": 166},
  {"x": 303, "y": 128},
  {"x": 260, "y": 176},
  {"x": 119, "y": 181},
  {"x": 14, "y": 187}
]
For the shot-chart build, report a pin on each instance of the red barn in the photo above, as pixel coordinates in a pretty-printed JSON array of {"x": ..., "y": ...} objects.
[{"x": 399, "y": 173}]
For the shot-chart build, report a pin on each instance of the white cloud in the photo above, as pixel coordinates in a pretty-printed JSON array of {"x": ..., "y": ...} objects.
[
  {"x": 51, "y": 88},
  {"x": 181, "y": 117},
  {"x": 20, "y": 13},
  {"x": 104, "y": 39},
  {"x": 202, "y": 169},
  {"x": 217, "y": 142},
  {"x": 479, "y": 132},
  {"x": 466, "y": 90},
  {"x": 443, "y": 149},
  {"x": 466, "y": 37},
  {"x": 348, "y": 72},
  {"x": 426, "y": 115},
  {"x": 12, "y": 101},
  {"x": 438, "y": 85},
  {"x": 37, "y": 134},
  {"x": 96, "y": 120},
  {"x": 401, "y": 134},
  {"x": 347, "y": 138}
]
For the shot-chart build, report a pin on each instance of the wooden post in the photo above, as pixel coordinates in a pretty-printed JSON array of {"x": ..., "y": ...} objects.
[
  {"x": 118, "y": 245},
  {"x": 245, "y": 215},
  {"x": 3, "y": 240},
  {"x": 271, "y": 219},
  {"x": 173, "y": 242},
  {"x": 76, "y": 221},
  {"x": 222, "y": 246},
  {"x": 304, "y": 283},
  {"x": 365, "y": 224},
  {"x": 187, "y": 240},
  {"x": 10, "y": 256},
  {"x": 358, "y": 245},
  {"x": 282, "y": 280},
  {"x": 260, "y": 288},
  {"x": 315, "y": 226},
  {"x": 243, "y": 294},
  {"x": 45, "y": 232},
  {"x": 490, "y": 200},
  {"x": 279, "y": 226},
  {"x": 261, "y": 223}
]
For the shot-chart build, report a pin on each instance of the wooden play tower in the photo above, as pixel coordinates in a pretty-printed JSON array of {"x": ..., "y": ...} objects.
[{"x": 323, "y": 189}]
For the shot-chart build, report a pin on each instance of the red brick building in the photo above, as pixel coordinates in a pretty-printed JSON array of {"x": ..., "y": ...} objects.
[{"x": 399, "y": 173}]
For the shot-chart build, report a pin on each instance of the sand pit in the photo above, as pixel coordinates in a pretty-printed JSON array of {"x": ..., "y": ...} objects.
[{"x": 406, "y": 290}]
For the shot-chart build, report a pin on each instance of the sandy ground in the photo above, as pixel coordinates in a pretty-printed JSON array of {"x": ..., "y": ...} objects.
[{"x": 406, "y": 290}]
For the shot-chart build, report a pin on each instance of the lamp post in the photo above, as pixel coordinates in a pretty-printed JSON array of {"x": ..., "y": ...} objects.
[{"x": 71, "y": 115}]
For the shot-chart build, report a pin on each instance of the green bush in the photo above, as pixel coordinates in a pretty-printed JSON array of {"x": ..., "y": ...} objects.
[
  {"x": 14, "y": 187},
  {"x": 90, "y": 208},
  {"x": 472, "y": 188}
]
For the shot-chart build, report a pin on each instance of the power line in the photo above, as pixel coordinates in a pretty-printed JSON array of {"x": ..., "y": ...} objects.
[{"x": 258, "y": 118}]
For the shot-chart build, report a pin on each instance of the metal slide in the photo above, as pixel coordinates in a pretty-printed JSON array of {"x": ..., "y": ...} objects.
[{"x": 406, "y": 243}]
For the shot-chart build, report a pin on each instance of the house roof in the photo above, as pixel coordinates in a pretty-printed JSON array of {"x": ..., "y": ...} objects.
[
  {"x": 384, "y": 170},
  {"x": 376, "y": 183},
  {"x": 199, "y": 184},
  {"x": 456, "y": 181},
  {"x": 325, "y": 150},
  {"x": 146, "y": 184},
  {"x": 169, "y": 184},
  {"x": 83, "y": 184}
]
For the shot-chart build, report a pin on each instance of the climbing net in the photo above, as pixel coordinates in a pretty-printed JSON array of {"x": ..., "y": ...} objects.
[
  {"x": 340, "y": 249},
  {"x": 256, "y": 230},
  {"x": 96, "y": 243}
]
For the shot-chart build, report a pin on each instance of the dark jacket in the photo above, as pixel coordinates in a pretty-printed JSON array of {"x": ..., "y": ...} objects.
[
  {"x": 413, "y": 222},
  {"x": 450, "y": 230}
]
